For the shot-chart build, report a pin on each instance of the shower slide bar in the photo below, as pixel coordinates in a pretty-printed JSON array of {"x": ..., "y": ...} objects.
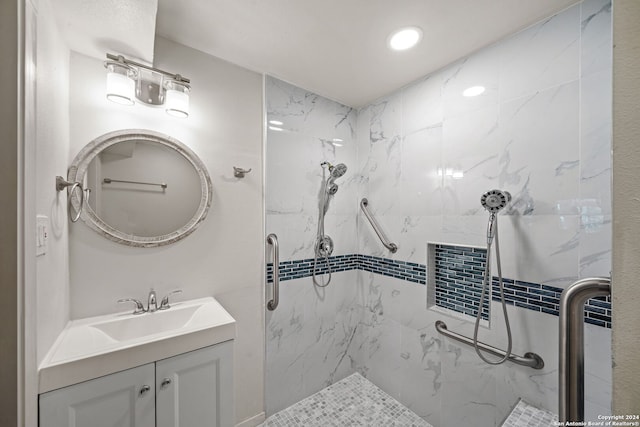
[
  {"x": 272, "y": 240},
  {"x": 571, "y": 360},
  {"x": 364, "y": 203},
  {"x": 531, "y": 360},
  {"x": 109, "y": 181}
]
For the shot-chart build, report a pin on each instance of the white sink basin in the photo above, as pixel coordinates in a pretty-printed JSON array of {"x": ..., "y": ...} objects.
[
  {"x": 142, "y": 325},
  {"x": 96, "y": 346}
]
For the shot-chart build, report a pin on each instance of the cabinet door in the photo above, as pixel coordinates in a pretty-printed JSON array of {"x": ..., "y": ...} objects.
[
  {"x": 118, "y": 400},
  {"x": 196, "y": 389}
]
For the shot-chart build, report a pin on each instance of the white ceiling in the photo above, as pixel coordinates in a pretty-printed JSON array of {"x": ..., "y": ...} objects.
[
  {"x": 95, "y": 27},
  {"x": 335, "y": 48}
]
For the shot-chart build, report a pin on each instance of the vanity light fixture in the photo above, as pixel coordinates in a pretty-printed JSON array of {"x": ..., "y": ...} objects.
[
  {"x": 129, "y": 81},
  {"x": 405, "y": 38},
  {"x": 120, "y": 83}
]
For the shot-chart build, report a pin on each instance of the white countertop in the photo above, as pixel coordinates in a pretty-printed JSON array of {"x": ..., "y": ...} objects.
[{"x": 87, "y": 349}]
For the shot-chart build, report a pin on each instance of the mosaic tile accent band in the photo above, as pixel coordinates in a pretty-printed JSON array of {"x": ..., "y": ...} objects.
[
  {"x": 531, "y": 296},
  {"x": 546, "y": 299},
  {"x": 458, "y": 276},
  {"x": 409, "y": 271}
]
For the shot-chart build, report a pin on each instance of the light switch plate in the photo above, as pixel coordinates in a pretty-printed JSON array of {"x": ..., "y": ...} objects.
[{"x": 42, "y": 234}]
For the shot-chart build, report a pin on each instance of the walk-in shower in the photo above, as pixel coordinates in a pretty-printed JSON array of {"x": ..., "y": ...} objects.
[
  {"x": 324, "y": 244},
  {"x": 493, "y": 201}
]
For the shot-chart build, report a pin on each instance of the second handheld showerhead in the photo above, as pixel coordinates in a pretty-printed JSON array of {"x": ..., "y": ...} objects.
[{"x": 495, "y": 200}]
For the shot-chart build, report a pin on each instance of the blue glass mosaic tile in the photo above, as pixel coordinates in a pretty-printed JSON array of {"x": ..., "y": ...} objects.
[
  {"x": 546, "y": 299},
  {"x": 458, "y": 272},
  {"x": 409, "y": 271},
  {"x": 458, "y": 277},
  {"x": 298, "y": 269}
]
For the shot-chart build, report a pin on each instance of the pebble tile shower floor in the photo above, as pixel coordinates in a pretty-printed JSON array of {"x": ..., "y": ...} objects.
[{"x": 354, "y": 401}]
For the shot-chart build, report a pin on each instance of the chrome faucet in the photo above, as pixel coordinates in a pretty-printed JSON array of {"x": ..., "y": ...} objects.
[
  {"x": 164, "y": 304},
  {"x": 139, "y": 306},
  {"x": 152, "y": 304}
]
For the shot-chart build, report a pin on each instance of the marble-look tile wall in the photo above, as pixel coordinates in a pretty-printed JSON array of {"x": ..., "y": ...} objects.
[
  {"x": 423, "y": 156},
  {"x": 426, "y": 153},
  {"x": 309, "y": 333}
]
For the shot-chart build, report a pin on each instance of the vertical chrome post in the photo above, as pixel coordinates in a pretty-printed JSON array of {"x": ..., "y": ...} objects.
[
  {"x": 571, "y": 378},
  {"x": 272, "y": 240}
]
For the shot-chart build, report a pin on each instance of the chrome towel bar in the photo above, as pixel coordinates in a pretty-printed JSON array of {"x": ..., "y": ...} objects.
[
  {"x": 383, "y": 238},
  {"x": 110, "y": 180},
  {"x": 531, "y": 360},
  {"x": 272, "y": 240}
]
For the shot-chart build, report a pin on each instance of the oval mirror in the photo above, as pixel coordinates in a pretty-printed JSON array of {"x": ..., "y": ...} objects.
[{"x": 144, "y": 188}]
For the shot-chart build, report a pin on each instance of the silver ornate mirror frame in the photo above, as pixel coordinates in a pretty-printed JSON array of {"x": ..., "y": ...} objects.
[{"x": 81, "y": 162}]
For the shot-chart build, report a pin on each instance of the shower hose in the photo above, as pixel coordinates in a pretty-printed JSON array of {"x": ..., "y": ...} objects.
[{"x": 492, "y": 233}]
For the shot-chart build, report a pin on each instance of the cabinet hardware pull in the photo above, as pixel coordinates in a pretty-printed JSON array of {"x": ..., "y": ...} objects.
[
  {"x": 165, "y": 383},
  {"x": 144, "y": 389}
]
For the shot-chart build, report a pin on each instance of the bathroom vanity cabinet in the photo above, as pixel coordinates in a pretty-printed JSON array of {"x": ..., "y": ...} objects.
[{"x": 193, "y": 389}]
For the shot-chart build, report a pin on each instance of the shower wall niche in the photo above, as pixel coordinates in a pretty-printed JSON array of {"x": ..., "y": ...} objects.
[{"x": 423, "y": 156}]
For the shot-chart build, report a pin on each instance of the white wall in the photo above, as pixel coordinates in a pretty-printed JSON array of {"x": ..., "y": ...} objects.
[
  {"x": 224, "y": 256},
  {"x": 626, "y": 219},
  {"x": 52, "y": 150}
]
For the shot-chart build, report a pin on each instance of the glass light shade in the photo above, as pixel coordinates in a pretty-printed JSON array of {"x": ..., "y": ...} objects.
[
  {"x": 177, "y": 99},
  {"x": 120, "y": 84}
]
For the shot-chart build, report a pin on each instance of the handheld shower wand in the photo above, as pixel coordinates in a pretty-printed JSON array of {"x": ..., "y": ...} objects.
[
  {"x": 324, "y": 244},
  {"x": 493, "y": 201}
]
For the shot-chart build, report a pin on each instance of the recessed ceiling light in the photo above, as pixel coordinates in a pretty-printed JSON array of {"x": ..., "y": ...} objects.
[
  {"x": 276, "y": 122},
  {"x": 473, "y": 91},
  {"x": 405, "y": 38}
]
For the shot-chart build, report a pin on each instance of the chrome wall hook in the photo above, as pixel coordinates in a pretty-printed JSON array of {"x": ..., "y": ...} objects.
[{"x": 240, "y": 172}]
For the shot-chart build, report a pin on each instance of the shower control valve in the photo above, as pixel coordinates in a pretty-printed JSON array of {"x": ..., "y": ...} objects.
[{"x": 324, "y": 246}]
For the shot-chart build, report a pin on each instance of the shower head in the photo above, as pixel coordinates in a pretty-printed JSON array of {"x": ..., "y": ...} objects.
[
  {"x": 338, "y": 170},
  {"x": 495, "y": 200}
]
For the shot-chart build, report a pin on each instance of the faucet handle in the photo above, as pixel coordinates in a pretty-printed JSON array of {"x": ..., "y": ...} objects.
[
  {"x": 139, "y": 306},
  {"x": 164, "y": 304}
]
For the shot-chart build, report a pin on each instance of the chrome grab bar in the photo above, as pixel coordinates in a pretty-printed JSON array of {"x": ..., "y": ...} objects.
[
  {"x": 383, "y": 238},
  {"x": 272, "y": 240},
  {"x": 571, "y": 371},
  {"x": 529, "y": 359}
]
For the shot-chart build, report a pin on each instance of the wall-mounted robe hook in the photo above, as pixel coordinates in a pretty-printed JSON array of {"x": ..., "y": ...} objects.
[{"x": 239, "y": 172}]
